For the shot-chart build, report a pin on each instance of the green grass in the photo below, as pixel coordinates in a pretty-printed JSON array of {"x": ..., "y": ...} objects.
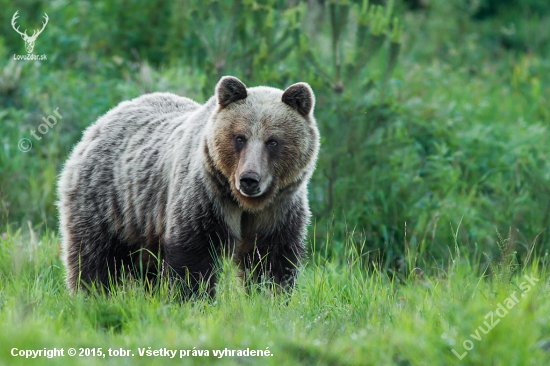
[{"x": 338, "y": 315}]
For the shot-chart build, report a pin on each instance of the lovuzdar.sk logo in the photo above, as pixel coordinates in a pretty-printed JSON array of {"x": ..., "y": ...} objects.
[{"x": 29, "y": 40}]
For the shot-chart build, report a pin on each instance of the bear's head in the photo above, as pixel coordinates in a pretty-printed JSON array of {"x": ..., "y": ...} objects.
[{"x": 263, "y": 140}]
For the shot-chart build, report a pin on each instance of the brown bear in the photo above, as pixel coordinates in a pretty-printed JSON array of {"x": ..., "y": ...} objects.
[{"x": 162, "y": 179}]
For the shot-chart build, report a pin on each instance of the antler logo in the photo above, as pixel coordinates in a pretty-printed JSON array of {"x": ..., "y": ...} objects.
[{"x": 29, "y": 41}]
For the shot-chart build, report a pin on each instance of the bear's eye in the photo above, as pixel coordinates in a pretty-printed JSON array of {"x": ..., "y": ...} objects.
[
  {"x": 272, "y": 143},
  {"x": 240, "y": 140}
]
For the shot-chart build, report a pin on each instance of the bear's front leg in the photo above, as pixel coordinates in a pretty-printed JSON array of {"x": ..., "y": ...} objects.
[
  {"x": 275, "y": 257},
  {"x": 195, "y": 239},
  {"x": 190, "y": 267},
  {"x": 272, "y": 262}
]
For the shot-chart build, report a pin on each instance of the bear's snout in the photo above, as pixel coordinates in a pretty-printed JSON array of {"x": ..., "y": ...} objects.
[
  {"x": 250, "y": 183},
  {"x": 253, "y": 176}
]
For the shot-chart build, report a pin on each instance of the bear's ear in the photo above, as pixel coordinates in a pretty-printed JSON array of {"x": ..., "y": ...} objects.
[
  {"x": 300, "y": 97},
  {"x": 229, "y": 90}
]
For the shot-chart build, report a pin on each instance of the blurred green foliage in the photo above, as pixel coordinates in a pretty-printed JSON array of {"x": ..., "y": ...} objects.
[{"x": 434, "y": 121}]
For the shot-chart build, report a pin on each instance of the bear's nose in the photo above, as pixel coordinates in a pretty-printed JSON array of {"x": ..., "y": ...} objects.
[{"x": 250, "y": 183}]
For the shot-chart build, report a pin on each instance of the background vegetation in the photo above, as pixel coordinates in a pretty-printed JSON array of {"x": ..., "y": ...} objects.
[{"x": 430, "y": 200}]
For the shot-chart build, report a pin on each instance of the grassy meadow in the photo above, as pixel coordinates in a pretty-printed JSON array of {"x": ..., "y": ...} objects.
[{"x": 431, "y": 200}]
